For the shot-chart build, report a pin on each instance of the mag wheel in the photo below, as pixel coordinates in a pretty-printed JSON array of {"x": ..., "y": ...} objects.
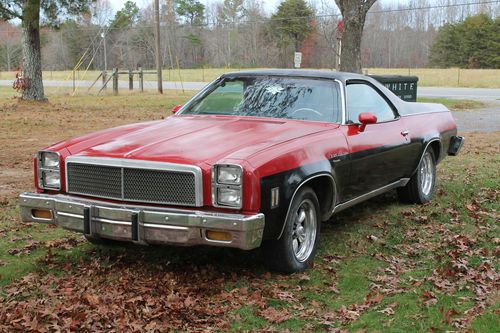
[
  {"x": 421, "y": 185},
  {"x": 296, "y": 248}
]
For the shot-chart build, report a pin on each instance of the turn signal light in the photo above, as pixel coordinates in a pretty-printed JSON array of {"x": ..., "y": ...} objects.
[
  {"x": 41, "y": 213},
  {"x": 219, "y": 235}
]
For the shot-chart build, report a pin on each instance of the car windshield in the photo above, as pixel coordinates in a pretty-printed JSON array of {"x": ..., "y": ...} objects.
[{"x": 273, "y": 97}]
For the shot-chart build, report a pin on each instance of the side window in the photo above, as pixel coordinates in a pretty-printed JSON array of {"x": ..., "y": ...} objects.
[
  {"x": 363, "y": 98},
  {"x": 222, "y": 100}
]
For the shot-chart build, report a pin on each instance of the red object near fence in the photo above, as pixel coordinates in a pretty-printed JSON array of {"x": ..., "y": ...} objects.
[{"x": 21, "y": 82}]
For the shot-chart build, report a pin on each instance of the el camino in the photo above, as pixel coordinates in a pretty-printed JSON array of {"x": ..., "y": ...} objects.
[{"x": 255, "y": 159}]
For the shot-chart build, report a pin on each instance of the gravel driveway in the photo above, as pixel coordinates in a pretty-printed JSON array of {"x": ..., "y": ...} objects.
[{"x": 481, "y": 120}]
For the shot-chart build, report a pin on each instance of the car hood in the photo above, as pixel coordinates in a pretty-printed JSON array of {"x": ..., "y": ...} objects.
[{"x": 193, "y": 139}]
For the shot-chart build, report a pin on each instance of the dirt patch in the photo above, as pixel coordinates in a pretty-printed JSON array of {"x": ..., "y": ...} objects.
[{"x": 26, "y": 127}]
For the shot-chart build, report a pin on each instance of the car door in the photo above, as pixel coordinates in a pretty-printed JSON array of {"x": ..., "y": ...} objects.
[{"x": 378, "y": 152}]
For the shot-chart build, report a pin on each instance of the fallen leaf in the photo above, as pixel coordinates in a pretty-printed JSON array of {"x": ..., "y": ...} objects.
[
  {"x": 91, "y": 299},
  {"x": 274, "y": 315}
]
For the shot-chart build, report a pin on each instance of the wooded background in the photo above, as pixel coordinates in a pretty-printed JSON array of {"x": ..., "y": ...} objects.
[{"x": 240, "y": 34}]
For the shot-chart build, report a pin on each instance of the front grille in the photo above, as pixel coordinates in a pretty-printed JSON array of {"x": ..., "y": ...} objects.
[
  {"x": 122, "y": 182},
  {"x": 150, "y": 185},
  {"x": 95, "y": 180}
]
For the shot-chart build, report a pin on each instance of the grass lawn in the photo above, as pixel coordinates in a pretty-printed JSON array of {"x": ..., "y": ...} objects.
[
  {"x": 382, "y": 266},
  {"x": 446, "y": 77},
  {"x": 428, "y": 77}
]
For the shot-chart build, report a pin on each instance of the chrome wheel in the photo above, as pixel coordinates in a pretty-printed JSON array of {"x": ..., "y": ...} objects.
[
  {"x": 427, "y": 174},
  {"x": 304, "y": 230}
]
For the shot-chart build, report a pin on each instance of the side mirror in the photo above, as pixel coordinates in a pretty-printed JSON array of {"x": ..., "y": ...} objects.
[
  {"x": 176, "y": 108},
  {"x": 366, "y": 118}
]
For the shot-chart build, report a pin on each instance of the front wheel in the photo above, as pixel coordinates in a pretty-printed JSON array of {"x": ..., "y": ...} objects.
[
  {"x": 420, "y": 188},
  {"x": 296, "y": 249}
]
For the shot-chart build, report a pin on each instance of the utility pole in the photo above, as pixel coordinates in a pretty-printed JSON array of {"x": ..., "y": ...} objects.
[
  {"x": 157, "y": 40},
  {"x": 103, "y": 35}
]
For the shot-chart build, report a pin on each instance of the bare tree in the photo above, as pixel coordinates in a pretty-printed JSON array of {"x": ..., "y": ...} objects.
[
  {"x": 10, "y": 46},
  {"x": 102, "y": 12}
]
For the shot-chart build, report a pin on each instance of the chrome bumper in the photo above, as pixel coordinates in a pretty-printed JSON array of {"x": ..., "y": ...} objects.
[{"x": 143, "y": 224}]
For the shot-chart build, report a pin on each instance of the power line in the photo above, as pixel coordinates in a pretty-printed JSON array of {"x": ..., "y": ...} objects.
[
  {"x": 264, "y": 20},
  {"x": 434, "y": 7}
]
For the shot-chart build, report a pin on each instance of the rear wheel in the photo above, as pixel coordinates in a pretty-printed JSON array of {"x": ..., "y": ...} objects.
[
  {"x": 420, "y": 188},
  {"x": 296, "y": 249}
]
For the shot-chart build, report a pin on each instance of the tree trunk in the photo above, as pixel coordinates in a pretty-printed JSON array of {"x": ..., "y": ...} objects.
[
  {"x": 350, "y": 58},
  {"x": 8, "y": 56},
  {"x": 32, "y": 60},
  {"x": 354, "y": 15}
]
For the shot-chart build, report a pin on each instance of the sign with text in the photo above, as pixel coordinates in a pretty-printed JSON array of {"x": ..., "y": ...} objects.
[
  {"x": 405, "y": 87},
  {"x": 297, "y": 59}
]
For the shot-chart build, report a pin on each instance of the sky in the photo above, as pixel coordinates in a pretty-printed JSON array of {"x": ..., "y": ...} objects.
[{"x": 269, "y": 5}]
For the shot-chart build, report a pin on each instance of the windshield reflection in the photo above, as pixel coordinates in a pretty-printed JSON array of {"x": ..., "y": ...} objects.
[{"x": 273, "y": 97}]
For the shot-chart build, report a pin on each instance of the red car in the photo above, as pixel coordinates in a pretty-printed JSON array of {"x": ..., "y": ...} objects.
[{"x": 257, "y": 158}]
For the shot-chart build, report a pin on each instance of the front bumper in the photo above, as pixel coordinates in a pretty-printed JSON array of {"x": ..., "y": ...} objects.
[{"x": 143, "y": 224}]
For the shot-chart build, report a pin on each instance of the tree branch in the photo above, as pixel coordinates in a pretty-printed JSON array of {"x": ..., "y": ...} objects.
[{"x": 8, "y": 13}]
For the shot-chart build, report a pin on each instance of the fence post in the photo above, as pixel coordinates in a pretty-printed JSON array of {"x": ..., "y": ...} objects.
[
  {"x": 74, "y": 87},
  {"x": 104, "y": 76},
  {"x": 141, "y": 79},
  {"x": 115, "y": 81},
  {"x": 130, "y": 80}
]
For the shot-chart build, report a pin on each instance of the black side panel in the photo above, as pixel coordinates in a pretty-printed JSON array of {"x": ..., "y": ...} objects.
[{"x": 287, "y": 182}]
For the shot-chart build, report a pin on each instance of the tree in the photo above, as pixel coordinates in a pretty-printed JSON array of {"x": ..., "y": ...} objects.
[
  {"x": 229, "y": 13},
  {"x": 28, "y": 11},
  {"x": 292, "y": 23},
  {"x": 193, "y": 13},
  {"x": 354, "y": 16},
  {"x": 126, "y": 16},
  {"x": 472, "y": 43},
  {"x": 9, "y": 47},
  {"x": 191, "y": 10},
  {"x": 101, "y": 11}
]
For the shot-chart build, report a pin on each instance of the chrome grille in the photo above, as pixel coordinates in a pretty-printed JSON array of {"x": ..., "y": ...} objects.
[
  {"x": 94, "y": 180},
  {"x": 120, "y": 179},
  {"x": 149, "y": 185}
]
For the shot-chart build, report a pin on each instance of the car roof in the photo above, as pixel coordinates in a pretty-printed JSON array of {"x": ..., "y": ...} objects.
[{"x": 308, "y": 73}]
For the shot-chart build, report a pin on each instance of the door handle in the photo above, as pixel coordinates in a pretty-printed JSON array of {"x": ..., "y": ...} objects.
[{"x": 405, "y": 132}]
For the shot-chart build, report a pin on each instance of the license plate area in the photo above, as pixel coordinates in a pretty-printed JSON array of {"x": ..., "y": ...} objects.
[{"x": 113, "y": 223}]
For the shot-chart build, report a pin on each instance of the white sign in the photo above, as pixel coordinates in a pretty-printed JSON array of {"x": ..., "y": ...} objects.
[{"x": 297, "y": 59}]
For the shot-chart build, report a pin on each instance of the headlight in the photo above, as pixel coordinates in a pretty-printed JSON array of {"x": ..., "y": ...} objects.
[
  {"x": 49, "y": 174},
  {"x": 50, "y": 160},
  {"x": 229, "y": 196},
  {"x": 227, "y": 181},
  {"x": 229, "y": 174},
  {"x": 51, "y": 179}
]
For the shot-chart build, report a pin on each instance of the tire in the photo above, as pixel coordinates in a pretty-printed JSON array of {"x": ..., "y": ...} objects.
[
  {"x": 420, "y": 188},
  {"x": 296, "y": 249}
]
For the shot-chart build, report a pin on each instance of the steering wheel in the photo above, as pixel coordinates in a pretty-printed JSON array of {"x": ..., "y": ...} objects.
[{"x": 308, "y": 110}]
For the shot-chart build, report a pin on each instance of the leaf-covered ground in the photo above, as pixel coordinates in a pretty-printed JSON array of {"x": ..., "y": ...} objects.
[{"x": 382, "y": 266}]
